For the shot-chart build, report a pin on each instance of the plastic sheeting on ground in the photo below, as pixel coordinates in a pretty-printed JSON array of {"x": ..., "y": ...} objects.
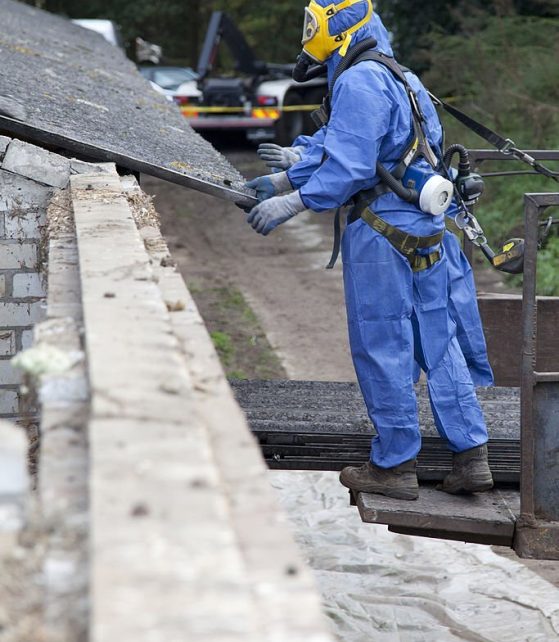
[{"x": 383, "y": 587}]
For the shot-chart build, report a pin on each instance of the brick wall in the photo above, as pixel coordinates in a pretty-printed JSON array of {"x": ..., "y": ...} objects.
[{"x": 28, "y": 177}]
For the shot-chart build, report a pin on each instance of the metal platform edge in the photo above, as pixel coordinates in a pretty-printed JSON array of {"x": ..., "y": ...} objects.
[{"x": 482, "y": 518}]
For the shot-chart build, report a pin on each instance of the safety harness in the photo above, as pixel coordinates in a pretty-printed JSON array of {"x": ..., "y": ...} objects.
[{"x": 406, "y": 244}]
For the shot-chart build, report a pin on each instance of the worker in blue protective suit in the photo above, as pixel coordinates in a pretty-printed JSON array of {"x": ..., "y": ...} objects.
[
  {"x": 397, "y": 301},
  {"x": 308, "y": 151}
]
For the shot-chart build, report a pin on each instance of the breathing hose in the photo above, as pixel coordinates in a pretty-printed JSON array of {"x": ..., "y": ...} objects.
[
  {"x": 406, "y": 194},
  {"x": 464, "y": 162}
]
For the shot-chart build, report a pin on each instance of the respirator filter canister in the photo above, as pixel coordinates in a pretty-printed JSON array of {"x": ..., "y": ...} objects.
[{"x": 435, "y": 191}]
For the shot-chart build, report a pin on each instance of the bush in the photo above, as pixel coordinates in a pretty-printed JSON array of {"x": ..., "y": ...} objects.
[{"x": 503, "y": 71}]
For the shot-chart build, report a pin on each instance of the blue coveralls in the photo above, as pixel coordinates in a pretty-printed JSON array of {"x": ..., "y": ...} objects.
[
  {"x": 394, "y": 315},
  {"x": 462, "y": 301},
  {"x": 463, "y": 308}
]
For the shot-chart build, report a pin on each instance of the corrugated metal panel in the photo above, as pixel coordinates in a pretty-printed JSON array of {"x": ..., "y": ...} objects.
[{"x": 323, "y": 425}]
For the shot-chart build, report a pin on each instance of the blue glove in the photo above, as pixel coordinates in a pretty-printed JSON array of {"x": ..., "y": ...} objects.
[
  {"x": 277, "y": 157},
  {"x": 270, "y": 185},
  {"x": 268, "y": 214}
]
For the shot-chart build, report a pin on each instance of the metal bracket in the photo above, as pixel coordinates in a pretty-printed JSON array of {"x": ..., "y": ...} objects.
[
  {"x": 537, "y": 528},
  {"x": 508, "y": 147}
]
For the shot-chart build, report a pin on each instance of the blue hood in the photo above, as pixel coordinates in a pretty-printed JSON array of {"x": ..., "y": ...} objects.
[{"x": 346, "y": 19}]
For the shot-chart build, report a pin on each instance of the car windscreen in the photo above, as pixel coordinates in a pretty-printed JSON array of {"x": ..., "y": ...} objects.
[{"x": 171, "y": 78}]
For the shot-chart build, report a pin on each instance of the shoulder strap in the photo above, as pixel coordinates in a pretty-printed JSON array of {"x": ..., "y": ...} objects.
[
  {"x": 419, "y": 145},
  {"x": 423, "y": 147},
  {"x": 387, "y": 61}
]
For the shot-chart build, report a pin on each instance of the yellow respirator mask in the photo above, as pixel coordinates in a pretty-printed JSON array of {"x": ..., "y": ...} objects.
[{"x": 317, "y": 41}]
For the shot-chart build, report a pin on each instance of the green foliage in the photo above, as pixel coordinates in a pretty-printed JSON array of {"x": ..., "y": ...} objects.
[
  {"x": 548, "y": 268},
  {"x": 273, "y": 29},
  {"x": 413, "y": 23},
  {"x": 542, "y": 8},
  {"x": 179, "y": 25},
  {"x": 237, "y": 336},
  {"x": 236, "y": 374},
  {"x": 504, "y": 72},
  {"x": 410, "y": 23},
  {"x": 224, "y": 346}
]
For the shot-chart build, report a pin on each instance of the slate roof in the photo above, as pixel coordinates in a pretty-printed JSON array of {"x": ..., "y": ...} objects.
[{"x": 83, "y": 95}]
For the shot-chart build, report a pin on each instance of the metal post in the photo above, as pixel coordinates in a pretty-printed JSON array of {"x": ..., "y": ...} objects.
[
  {"x": 529, "y": 332},
  {"x": 537, "y": 529}
]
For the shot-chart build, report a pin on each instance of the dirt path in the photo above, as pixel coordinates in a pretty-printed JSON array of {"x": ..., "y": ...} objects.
[{"x": 298, "y": 303}]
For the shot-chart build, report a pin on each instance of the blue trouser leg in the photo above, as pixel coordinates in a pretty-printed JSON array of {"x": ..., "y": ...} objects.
[
  {"x": 378, "y": 291},
  {"x": 395, "y": 315},
  {"x": 464, "y": 310},
  {"x": 458, "y": 416}
]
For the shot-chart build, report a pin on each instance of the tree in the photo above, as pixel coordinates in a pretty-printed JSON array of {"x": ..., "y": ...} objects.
[
  {"x": 413, "y": 23},
  {"x": 179, "y": 25},
  {"x": 503, "y": 71}
]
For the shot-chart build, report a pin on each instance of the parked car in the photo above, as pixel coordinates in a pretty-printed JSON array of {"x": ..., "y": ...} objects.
[{"x": 178, "y": 83}]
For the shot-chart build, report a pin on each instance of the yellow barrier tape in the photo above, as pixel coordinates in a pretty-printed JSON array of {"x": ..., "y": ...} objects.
[
  {"x": 300, "y": 107},
  {"x": 200, "y": 109},
  {"x": 213, "y": 110}
]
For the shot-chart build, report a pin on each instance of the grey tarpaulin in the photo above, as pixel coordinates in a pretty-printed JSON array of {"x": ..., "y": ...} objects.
[
  {"x": 378, "y": 586},
  {"x": 81, "y": 94}
]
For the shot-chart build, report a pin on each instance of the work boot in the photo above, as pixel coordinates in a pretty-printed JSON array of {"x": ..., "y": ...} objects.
[
  {"x": 399, "y": 482},
  {"x": 470, "y": 472}
]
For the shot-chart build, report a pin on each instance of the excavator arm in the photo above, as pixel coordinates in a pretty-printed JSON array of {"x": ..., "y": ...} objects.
[{"x": 221, "y": 27}]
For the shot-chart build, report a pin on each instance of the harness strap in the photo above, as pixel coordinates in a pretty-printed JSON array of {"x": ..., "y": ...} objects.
[
  {"x": 504, "y": 145},
  {"x": 418, "y": 146},
  {"x": 406, "y": 244},
  {"x": 420, "y": 262},
  {"x": 423, "y": 148},
  {"x": 337, "y": 240}
]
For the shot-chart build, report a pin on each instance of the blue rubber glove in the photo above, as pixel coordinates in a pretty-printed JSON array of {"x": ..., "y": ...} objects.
[
  {"x": 272, "y": 212},
  {"x": 277, "y": 157},
  {"x": 270, "y": 185}
]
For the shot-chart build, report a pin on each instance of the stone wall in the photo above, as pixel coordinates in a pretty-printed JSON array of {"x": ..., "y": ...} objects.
[
  {"x": 155, "y": 514},
  {"x": 28, "y": 177}
]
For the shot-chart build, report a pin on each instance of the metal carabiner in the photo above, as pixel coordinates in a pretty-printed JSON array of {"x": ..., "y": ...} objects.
[
  {"x": 508, "y": 147},
  {"x": 469, "y": 224}
]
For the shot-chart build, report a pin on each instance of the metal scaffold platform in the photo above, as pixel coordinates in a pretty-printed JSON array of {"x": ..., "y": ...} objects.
[
  {"x": 318, "y": 425},
  {"x": 485, "y": 518}
]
